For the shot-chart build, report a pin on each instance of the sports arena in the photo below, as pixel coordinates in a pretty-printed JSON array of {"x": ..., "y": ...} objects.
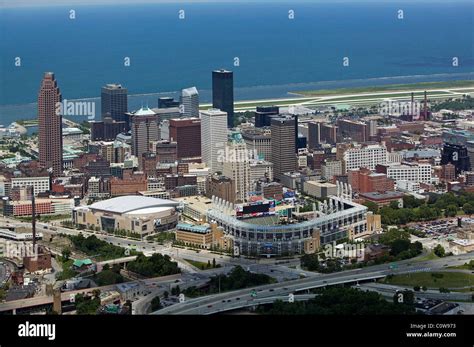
[{"x": 259, "y": 230}]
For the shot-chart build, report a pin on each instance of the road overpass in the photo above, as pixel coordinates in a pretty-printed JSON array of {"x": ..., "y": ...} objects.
[{"x": 242, "y": 298}]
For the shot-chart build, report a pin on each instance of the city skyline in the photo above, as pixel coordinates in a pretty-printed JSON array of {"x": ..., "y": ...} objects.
[{"x": 306, "y": 161}]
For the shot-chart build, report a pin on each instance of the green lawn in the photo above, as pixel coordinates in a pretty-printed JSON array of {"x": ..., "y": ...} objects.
[
  {"x": 448, "y": 279},
  {"x": 198, "y": 264},
  {"x": 429, "y": 256},
  {"x": 397, "y": 87}
]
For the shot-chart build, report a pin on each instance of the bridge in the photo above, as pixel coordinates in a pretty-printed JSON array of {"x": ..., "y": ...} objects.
[{"x": 215, "y": 303}]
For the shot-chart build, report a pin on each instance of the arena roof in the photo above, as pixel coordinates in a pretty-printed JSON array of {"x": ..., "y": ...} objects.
[{"x": 130, "y": 203}]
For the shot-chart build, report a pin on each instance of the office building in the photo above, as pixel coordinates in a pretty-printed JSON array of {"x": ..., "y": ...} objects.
[
  {"x": 264, "y": 114},
  {"x": 221, "y": 187},
  {"x": 50, "y": 147},
  {"x": 259, "y": 141},
  {"x": 406, "y": 171},
  {"x": 457, "y": 155},
  {"x": 365, "y": 181},
  {"x": 190, "y": 102},
  {"x": 223, "y": 93},
  {"x": 114, "y": 102},
  {"x": 238, "y": 170},
  {"x": 186, "y": 132},
  {"x": 167, "y": 102},
  {"x": 213, "y": 138},
  {"x": 106, "y": 130},
  {"x": 283, "y": 146},
  {"x": 145, "y": 128},
  {"x": 331, "y": 168},
  {"x": 352, "y": 130},
  {"x": 365, "y": 156}
]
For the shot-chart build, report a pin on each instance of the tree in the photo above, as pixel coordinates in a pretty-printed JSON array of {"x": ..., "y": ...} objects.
[
  {"x": 65, "y": 254},
  {"x": 399, "y": 246},
  {"x": 166, "y": 294},
  {"x": 416, "y": 288},
  {"x": 310, "y": 262},
  {"x": 468, "y": 208},
  {"x": 451, "y": 211},
  {"x": 213, "y": 262},
  {"x": 372, "y": 206},
  {"x": 424, "y": 288},
  {"x": 394, "y": 205},
  {"x": 439, "y": 251},
  {"x": 155, "y": 303}
]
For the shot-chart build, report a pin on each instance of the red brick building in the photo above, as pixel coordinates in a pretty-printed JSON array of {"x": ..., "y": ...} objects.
[{"x": 364, "y": 181}]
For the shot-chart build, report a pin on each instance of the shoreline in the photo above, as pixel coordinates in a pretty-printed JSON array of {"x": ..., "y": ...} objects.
[{"x": 447, "y": 89}]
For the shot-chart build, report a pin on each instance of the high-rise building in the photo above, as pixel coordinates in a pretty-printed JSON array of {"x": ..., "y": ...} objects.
[
  {"x": 114, "y": 102},
  {"x": 145, "y": 128},
  {"x": 456, "y": 154},
  {"x": 351, "y": 129},
  {"x": 186, "y": 132},
  {"x": 237, "y": 168},
  {"x": 50, "y": 125},
  {"x": 283, "y": 146},
  {"x": 264, "y": 114},
  {"x": 221, "y": 187},
  {"x": 107, "y": 129},
  {"x": 259, "y": 141},
  {"x": 223, "y": 93},
  {"x": 328, "y": 133},
  {"x": 167, "y": 102},
  {"x": 166, "y": 151},
  {"x": 314, "y": 135},
  {"x": 213, "y": 138},
  {"x": 190, "y": 102}
]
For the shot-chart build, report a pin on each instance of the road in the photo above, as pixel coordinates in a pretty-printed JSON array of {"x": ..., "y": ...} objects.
[{"x": 226, "y": 301}]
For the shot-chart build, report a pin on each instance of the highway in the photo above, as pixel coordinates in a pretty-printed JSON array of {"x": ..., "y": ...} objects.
[{"x": 241, "y": 298}]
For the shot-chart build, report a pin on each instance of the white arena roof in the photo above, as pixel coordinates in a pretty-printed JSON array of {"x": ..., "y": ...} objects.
[{"x": 131, "y": 203}]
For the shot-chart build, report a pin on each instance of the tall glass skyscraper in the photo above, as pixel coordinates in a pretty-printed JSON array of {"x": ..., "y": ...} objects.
[
  {"x": 223, "y": 93},
  {"x": 114, "y": 102}
]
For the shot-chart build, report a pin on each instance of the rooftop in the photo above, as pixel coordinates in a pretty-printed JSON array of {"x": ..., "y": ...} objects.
[{"x": 131, "y": 203}]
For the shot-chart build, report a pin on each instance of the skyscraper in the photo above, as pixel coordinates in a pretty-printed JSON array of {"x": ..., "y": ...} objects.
[
  {"x": 213, "y": 138},
  {"x": 223, "y": 93},
  {"x": 237, "y": 168},
  {"x": 187, "y": 133},
  {"x": 114, "y": 102},
  {"x": 283, "y": 145},
  {"x": 145, "y": 128},
  {"x": 50, "y": 125},
  {"x": 190, "y": 102}
]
